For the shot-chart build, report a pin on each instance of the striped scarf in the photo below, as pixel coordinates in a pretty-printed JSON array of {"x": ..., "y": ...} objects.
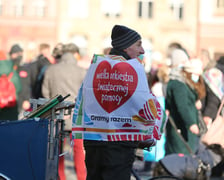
[{"x": 214, "y": 78}]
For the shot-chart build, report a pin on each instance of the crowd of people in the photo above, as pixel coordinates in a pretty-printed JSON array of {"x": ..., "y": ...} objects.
[
  {"x": 190, "y": 90},
  {"x": 192, "y": 96},
  {"x": 50, "y": 73}
]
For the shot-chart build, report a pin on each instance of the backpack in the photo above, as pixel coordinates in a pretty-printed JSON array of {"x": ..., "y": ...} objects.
[{"x": 7, "y": 91}]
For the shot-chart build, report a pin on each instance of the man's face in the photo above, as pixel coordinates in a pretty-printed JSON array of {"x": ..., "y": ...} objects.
[
  {"x": 15, "y": 55},
  {"x": 135, "y": 49}
]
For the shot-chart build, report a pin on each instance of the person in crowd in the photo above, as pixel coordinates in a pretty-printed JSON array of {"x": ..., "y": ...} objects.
[
  {"x": 114, "y": 160},
  {"x": 214, "y": 80},
  {"x": 182, "y": 94},
  {"x": 38, "y": 68},
  {"x": 10, "y": 87},
  {"x": 207, "y": 159},
  {"x": 16, "y": 54},
  {"x": 176, "y": 45},
  {"x": 65, "y": 78}
]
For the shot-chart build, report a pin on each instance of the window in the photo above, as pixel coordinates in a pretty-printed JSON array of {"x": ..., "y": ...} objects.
[
  {"x": 220, "y": 4},
  {"x": 111, "y": 8},
  {"x": 177, "y": 8},
  {"x": 18, "y": 8},
  {"x": 218, "y": 7},
  {"x": 145, "y": 9},
  {"x": 39, "y": 8},
  {"x": 78, "y": 8},
  {"x": 1, "y": 7}
]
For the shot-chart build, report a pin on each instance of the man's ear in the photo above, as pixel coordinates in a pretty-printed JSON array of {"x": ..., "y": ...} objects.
[
  {"x": 125, "y": 50},
  {"x": 77, "y": 56}
]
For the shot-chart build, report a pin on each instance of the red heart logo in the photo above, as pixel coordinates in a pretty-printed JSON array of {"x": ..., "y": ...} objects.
[{"x": 113, "y": 86}]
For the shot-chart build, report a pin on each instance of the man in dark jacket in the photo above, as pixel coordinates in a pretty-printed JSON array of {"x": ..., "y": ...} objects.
[
  {"x": 38, "y": 68},
  {"x": 113, "y": 160},
  {"x": 16, "y": 55}
]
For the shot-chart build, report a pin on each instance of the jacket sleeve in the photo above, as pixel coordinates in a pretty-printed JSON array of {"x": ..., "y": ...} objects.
[
  {"x": 45, "y": 85},
  {"x": 211, "y": 105}
]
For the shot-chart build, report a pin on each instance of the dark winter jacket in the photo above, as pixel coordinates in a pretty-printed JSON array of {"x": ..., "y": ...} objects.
[
  {"x": 212, "y": 102},
  {"x": 35, "y": 68}
]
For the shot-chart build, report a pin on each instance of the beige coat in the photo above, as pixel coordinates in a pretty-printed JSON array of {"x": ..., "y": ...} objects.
[{"x": 63, "y": 78}]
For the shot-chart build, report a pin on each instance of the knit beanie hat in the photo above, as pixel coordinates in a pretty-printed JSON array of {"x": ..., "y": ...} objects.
[
  {"x": 178, "y": 57},
  {"x": 15, "y": 48},
  {"x": 122, "y": 37}
]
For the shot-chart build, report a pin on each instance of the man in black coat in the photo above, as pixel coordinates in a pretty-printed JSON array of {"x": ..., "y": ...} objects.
[{"x": 113, "y": 160}]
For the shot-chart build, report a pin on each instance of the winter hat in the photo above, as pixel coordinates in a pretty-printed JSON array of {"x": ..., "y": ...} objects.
[
  {"x": 122, "y": 37},
  {"x": 15, "y": 48},
  {"x": 178, "y": 57},
  {"x": 71, "y": 48},
  {"x": 194, "y": 66}
]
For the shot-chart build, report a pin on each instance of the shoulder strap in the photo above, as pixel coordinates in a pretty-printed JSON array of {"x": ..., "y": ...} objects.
[
  {"x": 220, "y": 107},
  {"x": 41, "y": 73},
  {"x": 179, "y": 134},
  {"x": 10, "y": 75}
]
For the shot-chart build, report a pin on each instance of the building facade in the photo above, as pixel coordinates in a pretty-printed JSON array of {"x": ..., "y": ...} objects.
[
  {"x": 27, "y": 23},
  {"x": 195, "y": 24}
]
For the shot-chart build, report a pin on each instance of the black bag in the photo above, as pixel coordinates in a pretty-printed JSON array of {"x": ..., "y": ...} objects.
[
  {"x": 201, "y": 124},
  {"x": 188, "y": 167}
]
